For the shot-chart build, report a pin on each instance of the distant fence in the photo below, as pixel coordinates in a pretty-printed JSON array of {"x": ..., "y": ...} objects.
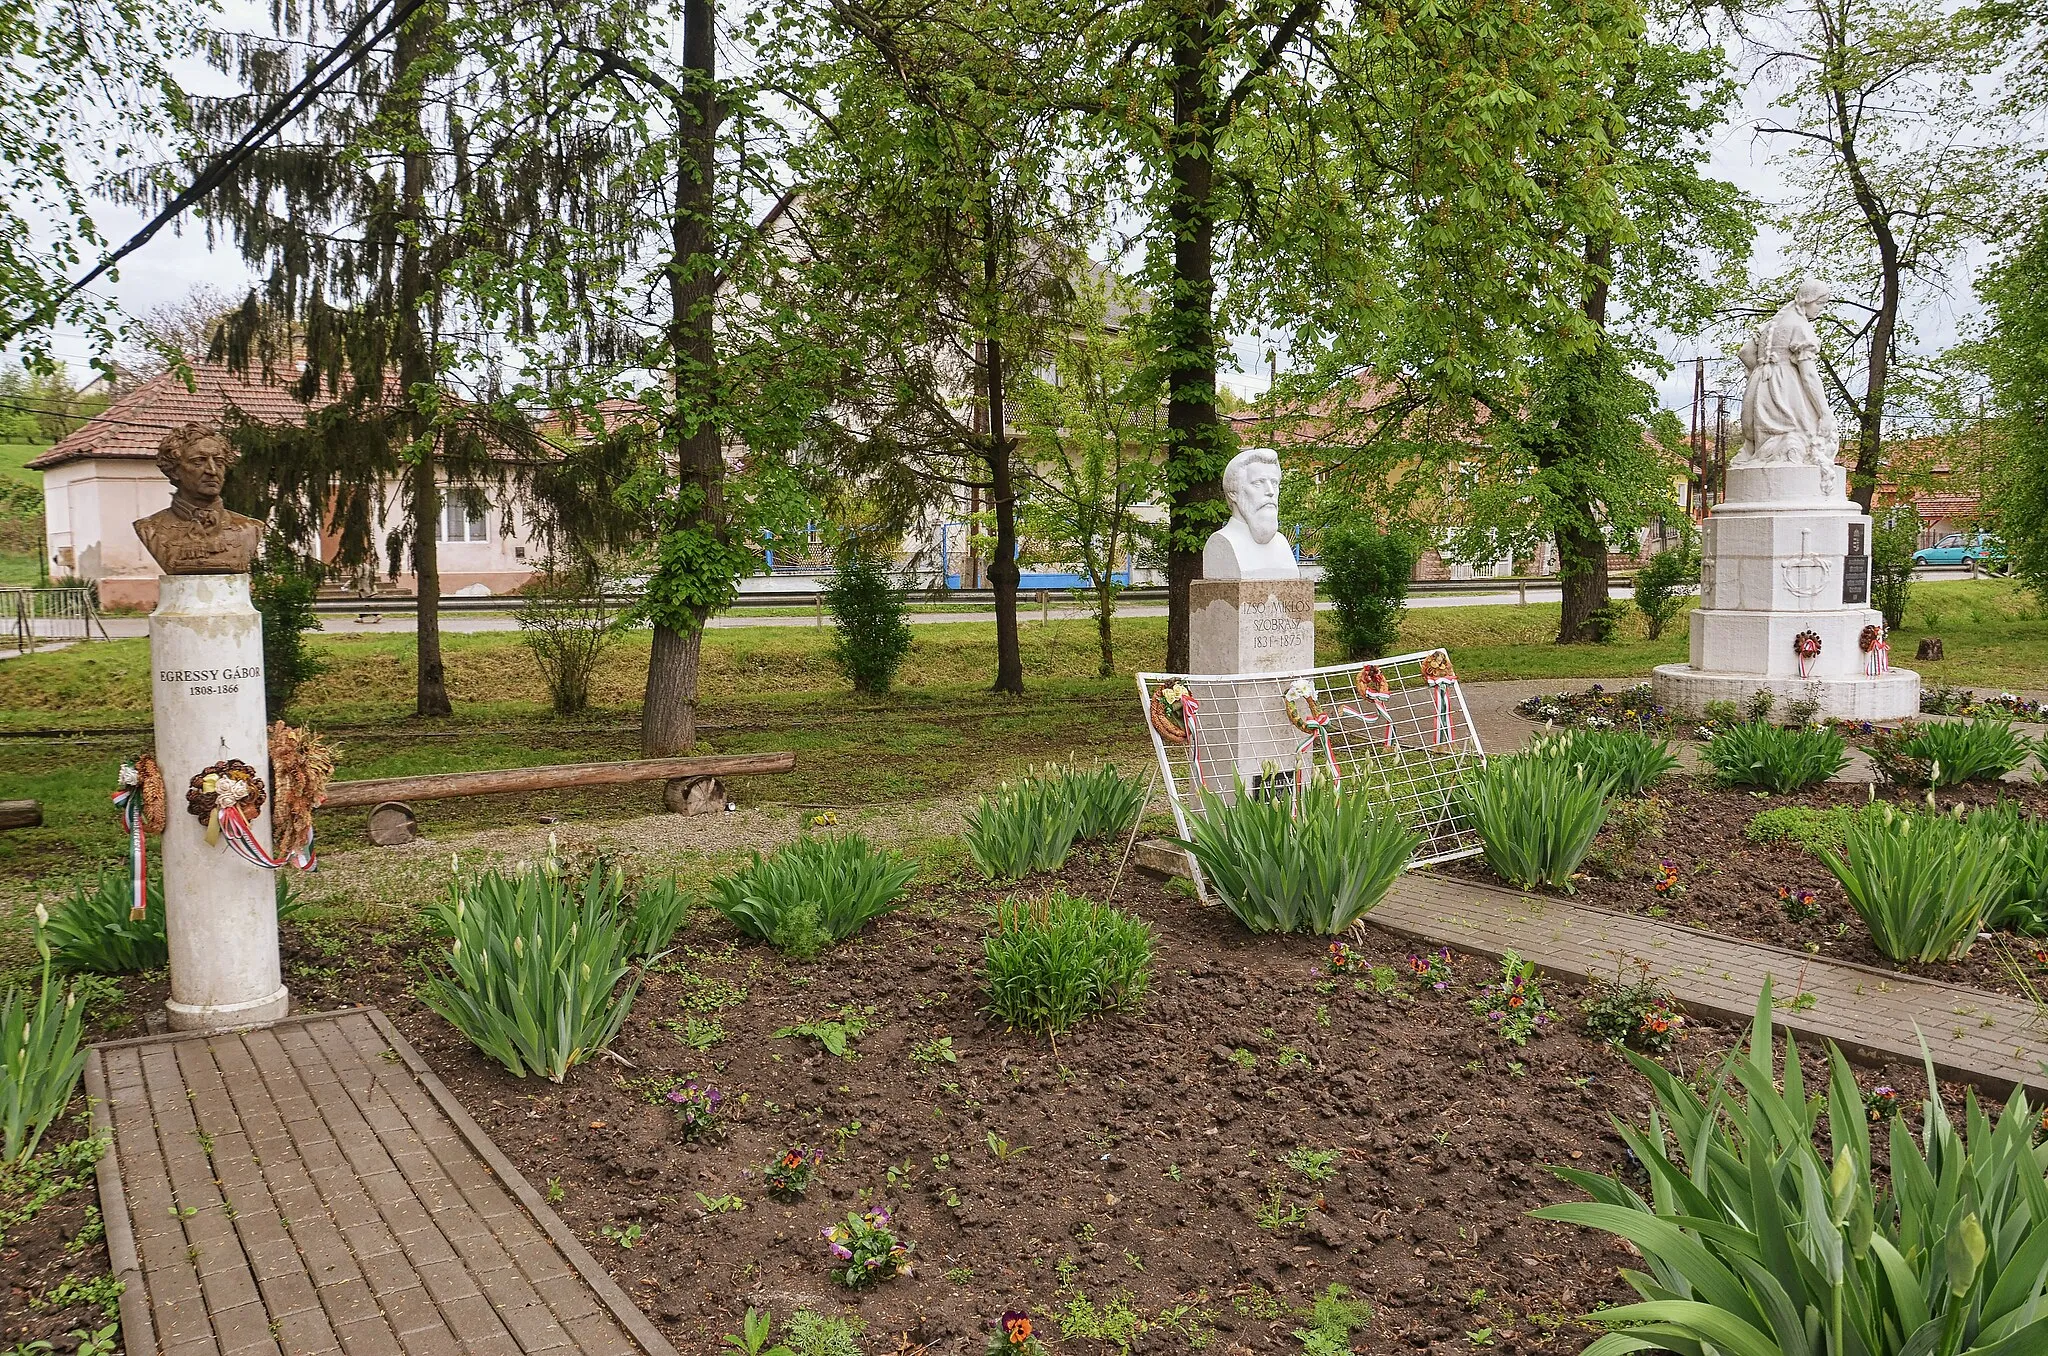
[{"x": 39, "y": 615}]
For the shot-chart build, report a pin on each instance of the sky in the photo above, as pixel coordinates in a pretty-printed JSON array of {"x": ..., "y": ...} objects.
[{"x": 177, "y": 260}]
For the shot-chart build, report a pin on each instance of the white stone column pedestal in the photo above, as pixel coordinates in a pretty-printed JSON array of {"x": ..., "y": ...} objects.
[
  {"x": 220, "y": 912},
  {"x": 1249, "y": 626}
]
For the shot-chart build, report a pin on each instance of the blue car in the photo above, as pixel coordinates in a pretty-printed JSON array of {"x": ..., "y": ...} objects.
[{"x": 1960, "y": 548}]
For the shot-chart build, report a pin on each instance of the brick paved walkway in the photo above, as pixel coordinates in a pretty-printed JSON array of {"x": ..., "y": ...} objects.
[
  {"x": 1984, "y": 1038},
  {"x": 310, "y": 1187}
]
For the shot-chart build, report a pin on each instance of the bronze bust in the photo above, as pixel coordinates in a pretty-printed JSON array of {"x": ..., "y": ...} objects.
[{"x": 198, "y": 534}]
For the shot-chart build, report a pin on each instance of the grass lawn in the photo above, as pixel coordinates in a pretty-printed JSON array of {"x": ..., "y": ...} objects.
[
  {"x": 20, "y": 568},
  {"x": 939, "y": 735}
]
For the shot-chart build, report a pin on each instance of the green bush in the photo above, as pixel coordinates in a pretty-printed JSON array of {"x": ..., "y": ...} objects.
[
  {"x": 1627, "y": 761},
  {"x": 1023, "y": 828},
  {"x": 39, "y": 1056},
  {"x": 813, "y": 894},
  {"x": 1366, "y": 573},
  {"x": 1050, "y": 963},
  {"x": 1762, "y": 1233},
  {"x": 1663, "y": 584},
  {"x": 1949, "y": 752},
  {"x": 1320, "y": 870},
  {"x": 1811, "y": 829},
  {"x": 2024, "y": 905},
  {"x": 92, "y": 930},
  {"x": 1756, "y": 753},
  {"x": 869, "y": 634},
  {"x": 1536, "y": 818},
  {"x": 537, "y": 967},
  {"x": 1922, "y": 883},
  {"x": 1109, "y": 802},
  {"x": 566, "y": 624},
  {"x": 283, "y": 589},
  {"x": 1894, "y": 536}
]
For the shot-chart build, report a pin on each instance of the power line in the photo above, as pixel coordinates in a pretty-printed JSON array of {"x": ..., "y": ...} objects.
[{"x": 317, "y": 80}]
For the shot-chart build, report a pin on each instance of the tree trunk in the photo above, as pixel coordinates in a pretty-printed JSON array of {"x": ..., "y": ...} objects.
[
  {"x": 668, "y": 710},
  {"x": 414, "y": 358},
  {"x": 1870, "y": 415},
  {"x": 1105, "y": 605},
  {"x": 1582, "y": 547},
  {"x": 1195, "y": 440},
  {"x": 1002, "y": 571}
]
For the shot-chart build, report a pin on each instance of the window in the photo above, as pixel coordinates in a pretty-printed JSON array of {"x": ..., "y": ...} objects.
[{"x": 459, "y": 522}]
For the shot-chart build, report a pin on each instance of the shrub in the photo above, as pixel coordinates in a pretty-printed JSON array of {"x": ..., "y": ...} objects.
[
  {"x": 1628, "y": 762},
  {"x": 1603, "y": 623},
  {"x": 1755, "y": 753},
  {"x": 869, "y": 636},
  {"x": 567, "y": 625},
  {"x": 1366, "y": 574},
  {"x": 1320, "y": 871},
  {"x": 1764, "y": 1233},
  {"x": 813, "y": 894},
  {"x": 1109, "y": 803},
  {"x": 1811, "y": 829},
  {"x": 535, "y": 968},
  {"x": 1641, "y": 1015},
  {"x": 1894, "y": 536},
  {"x": 1922, "y": 884},
  {"x": 283, "y": 588},
  {"x": 39, "y": 1056},
  {"x": 1663, "y": 584},
  {"x": 1948, "y": 752},
  {"x": 1023, "y": 828},
  {"x": 92, "y": 930},
  {"x": 2024, "y": 905},
  {"x": 660, "y": 910},
  {"x": 1536, "y": 818},
  {"x": 1051, "y": 963}
]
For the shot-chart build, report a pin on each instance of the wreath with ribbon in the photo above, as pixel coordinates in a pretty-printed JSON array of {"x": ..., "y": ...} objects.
[
  {"x": 300, "y": 765},
  {"x": 1374, "y": 691},
  {"x": 139, "y": 799},
  {"x": 1876, "y": 653},
  {"x": 1172, "y": 714},
  {"x": 1307, "y": 716},
  {"x": 1443, "y": 685},
  {"x": 1806, "y": 645}
]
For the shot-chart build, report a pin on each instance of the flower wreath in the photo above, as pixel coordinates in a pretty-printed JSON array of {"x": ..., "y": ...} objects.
[
  {"x": 228, "y": 782},
  {"x": 1371, "y": 683},
  {"x": 1442, "y": 680},
  {"x": 1307, "y": 716},
  {"x": 139, "y": 798},
  {"x": 1807, "y": 646},
  {"x": 1877, "y": 655},
  {"x": 1868, "y": 641},
  {"x": 1170, "y": 711}
]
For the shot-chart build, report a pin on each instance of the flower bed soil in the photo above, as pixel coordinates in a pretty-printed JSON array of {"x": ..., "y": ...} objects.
[
  {"x": 1730, "y": 884},
  {"x": 1142, "y": 1149}
]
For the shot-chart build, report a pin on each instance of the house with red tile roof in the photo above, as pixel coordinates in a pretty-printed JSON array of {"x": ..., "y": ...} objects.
[{"x": 99, "y": 480}]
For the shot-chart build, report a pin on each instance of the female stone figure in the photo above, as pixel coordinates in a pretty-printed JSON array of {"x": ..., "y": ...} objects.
[{"x": 1786, "y": 419}]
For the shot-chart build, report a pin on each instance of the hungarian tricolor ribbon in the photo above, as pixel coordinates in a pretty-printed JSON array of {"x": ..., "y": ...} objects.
[
  {"x": 1188, "y": 707},
  {"x": 1317, "y": 728},
  {"x": 1443, "y": 687},
  {"x": 1379, "y": 716},
  {"x": 128, "y": 802},
  {"x": 242, "y": 841},
  {"x": 1880, "y": 658}
]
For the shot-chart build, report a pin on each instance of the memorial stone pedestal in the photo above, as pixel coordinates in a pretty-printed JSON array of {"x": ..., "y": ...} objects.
[
  {"x": 1781, "y": 558},
  {"x": 1249, "y": 626},
  {"x": 220, "y": 912}
]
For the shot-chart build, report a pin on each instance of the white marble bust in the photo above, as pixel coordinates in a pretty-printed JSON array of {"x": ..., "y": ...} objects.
[{"x": 1250, "y": 545}]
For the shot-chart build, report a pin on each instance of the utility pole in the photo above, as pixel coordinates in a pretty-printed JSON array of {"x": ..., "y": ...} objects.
[{"x": 1720, "y": 463}]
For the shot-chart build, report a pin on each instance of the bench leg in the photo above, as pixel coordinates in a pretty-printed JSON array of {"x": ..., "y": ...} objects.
[
  {"x": 393, "y": 824},
  {"x": 694, "y": 795}
]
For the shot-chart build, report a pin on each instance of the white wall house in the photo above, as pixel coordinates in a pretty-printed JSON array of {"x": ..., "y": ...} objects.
[{"x": 103, "y": 477}]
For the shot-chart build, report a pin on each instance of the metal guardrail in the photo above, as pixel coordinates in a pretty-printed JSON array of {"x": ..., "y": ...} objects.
[{"x": 59, "y": 614}]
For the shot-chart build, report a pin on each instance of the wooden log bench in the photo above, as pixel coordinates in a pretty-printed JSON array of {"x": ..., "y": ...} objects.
[
  {"x": 21, "y": 814},
  {"x": 694, "y": 786}
]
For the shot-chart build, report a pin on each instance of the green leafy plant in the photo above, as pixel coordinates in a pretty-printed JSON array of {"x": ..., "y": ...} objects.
[
  {"x": 1028, "y": 827},
  {"x": 1811, "y": 829},
  {"x": 1317, "y": 1165},
  {"x": 1756, "y": 753},
  {"x": 92, "y": 930},
  {"x": 1627, "y": 761},
  {"x": 1330, "y": 1321},
  {"x": 40, "y": 1061},
  {"x": 2024, "y": 905},
  {"x": 1536, "y": 818},
  {"x": 868, "y": 1249},
  {"x": 813, "y": 894},
  {"x": 1922, "y": 883},
  {"x": 660, "y": 910},
  {"x": 813, "y": 1334},
  {"x": 283, "y": 587},
  {"x": 1109, "y": 802},
  {"x": 1663, "y": 583},
  {"x": 1319, "y": 871},
  {"x": 537, "y": 969},
  {"x": 869, "y": 635},
  {"x": 1949, "y": 752},
  {"x": 1052, "y": 962},
  {"x": 837, "y": 1035},
  {"x": 1514, "y": 1004},
  {"x": 752, "y": 1338},
  {"x": 937, "y": 1050},
  {"x": 1365, "y": 574},
  {"x": 1641, "y": 1015},
  {"x": 567, "y": 624},
  {"x": 1764, "y": 1234}
]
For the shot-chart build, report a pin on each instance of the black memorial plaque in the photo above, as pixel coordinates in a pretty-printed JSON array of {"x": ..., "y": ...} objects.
[
  {"x": 1855, "y": 539},
  {"x": 1856, "y": 580}
]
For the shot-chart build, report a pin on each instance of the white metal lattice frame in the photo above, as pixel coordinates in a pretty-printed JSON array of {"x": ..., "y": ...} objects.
[{"x": 1407, "y": 748}]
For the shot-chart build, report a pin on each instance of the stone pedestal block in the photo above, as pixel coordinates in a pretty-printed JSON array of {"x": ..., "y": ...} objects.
[
  {"x": 220, "y": 912},
  {"x": 1249, "y": 626}
]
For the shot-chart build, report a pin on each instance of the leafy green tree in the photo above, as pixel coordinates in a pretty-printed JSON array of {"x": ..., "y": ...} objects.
[
  {"x": 1366, "y": 572},
  {"x": 1900, "y": 163},
  {"x": 870, "y": 636},
  {"x": 283, "y": 588},
  {"x": 1664, "y": 582},
  {"x": 1894, "y": 536},
  {"x": 2014, "y": 355},
  {"x": 1091, "y": 439}
]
